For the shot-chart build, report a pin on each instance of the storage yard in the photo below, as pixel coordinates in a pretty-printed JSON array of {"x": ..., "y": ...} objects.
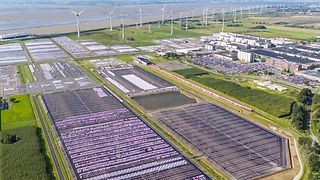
[
  {"x": 58, "y": 76},
  {"x": 106, "y": 62},
  {"x": 12, "y": 54},
  {"x": 44, "y": 50},
  {"x": 98, "y": 49},
  {"x": 124, "y": 49},
  {"x": 73, "y": 47},
  {"x": 237, "y": 146},
  {"x": 133, "y": 80},
  {"x": 103, "y": 139}
]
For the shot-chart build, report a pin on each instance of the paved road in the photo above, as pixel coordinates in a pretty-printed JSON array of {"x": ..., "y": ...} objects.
[{"x": 54, "y": 156}]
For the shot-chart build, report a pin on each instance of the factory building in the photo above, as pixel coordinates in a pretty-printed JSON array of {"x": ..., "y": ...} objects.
[{"x": 246, "y": 56}]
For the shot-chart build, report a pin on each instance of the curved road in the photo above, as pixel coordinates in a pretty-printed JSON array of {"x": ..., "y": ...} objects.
[{"x": 53, "y": 153}]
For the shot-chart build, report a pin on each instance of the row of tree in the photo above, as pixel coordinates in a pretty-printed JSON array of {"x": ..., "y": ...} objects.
[
  {"x": 311, "y": 150},
  {"x": 299, "y": 116}
]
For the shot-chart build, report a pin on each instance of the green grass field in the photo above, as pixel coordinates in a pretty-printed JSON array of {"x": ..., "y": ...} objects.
[
  {"x": 24, "y": 159},
  {"x": 274, "y": 104},
  {"x": 19, "y": 114},
  {"x": 192, "y": 72}
]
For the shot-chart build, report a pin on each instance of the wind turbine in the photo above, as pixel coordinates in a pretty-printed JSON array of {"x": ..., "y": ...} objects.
[
  {"x": 140, "y": 15},
  {"x": 235, "y": 16},
  {"x": 241, "y": 14},
  {"x": 110, "y": 19},
  {"x": 222, "y": 29},
  {"x": 187, "y": 22},
  {"x": 122, "y": 21},
  {"x": 78, "y": 21},
  {"x": 163, "y": 9},
  {"x": 212, "y": 14},
  {"x": 206, "y": 16},
  {"x": 171, "y": 22}
]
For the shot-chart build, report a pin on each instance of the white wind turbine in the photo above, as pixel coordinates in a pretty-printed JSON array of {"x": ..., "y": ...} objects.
[
  {"x": 78, "y": 20},
  {"x": 222, "y": 29},
  {"x": 206, "y": 16},
  {"x": 140, "y": 16},
  {"x": 110, "y": 19},
  {"x": 122, "y": 21},
  {"x": 171, "y": 22},
  {"x": 163, "y": 9}
]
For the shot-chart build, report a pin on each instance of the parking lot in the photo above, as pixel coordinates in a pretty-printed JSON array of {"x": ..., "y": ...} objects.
[
  {"x": 58, "y": 76},
  {"x": 73, "y": 47},
  {"x": 9, "y": 82},
  {"x": 44, "y": 50},
  {"x": 12, "y": 54},
  {"x": 103, "y": 139},
  {"x": 97, "y": 48},
  {"x": 133, "y": 80},
  {"x": 240, "y": 148},
  {"x": 111, "y": 62}
]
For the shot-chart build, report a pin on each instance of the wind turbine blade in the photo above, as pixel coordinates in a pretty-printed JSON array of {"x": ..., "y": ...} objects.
[
  {"x": 73, "y": 12},
  {"x": 81, "y": 12}
]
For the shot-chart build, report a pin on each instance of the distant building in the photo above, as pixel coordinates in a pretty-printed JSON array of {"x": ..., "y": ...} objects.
[
  {"x": 142, "y": 60},
  {"x": 246, "y": 56},
  {"x": 282, "y": 61},
  {"x": 14, "y": 36}
]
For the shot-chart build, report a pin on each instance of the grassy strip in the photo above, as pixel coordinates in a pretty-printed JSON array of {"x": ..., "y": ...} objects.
[
  {"x": 29, "y": 74},
  {"x": 22, "y": 80},
  {"x": 258, "y": 98},
  {"x": 61, "y": 159}
]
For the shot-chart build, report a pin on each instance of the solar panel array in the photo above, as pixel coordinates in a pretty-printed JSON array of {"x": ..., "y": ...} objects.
[
  {"x": 98, "y": 49},
  {"x": 45, "y": 49},
  {"x": 12, "y": 54},
  {"x": 105, "y": 140},
  {"x": 72, "y": 47},
  {"x": 239, "y": 147}
]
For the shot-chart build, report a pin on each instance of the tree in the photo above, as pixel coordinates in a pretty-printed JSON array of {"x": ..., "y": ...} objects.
[
  {"x": 12, "y": 99},
  {"x": 314, "y": 162},
  {"x": 305, "y": 96},
  {"x": 299, "y": 119}
]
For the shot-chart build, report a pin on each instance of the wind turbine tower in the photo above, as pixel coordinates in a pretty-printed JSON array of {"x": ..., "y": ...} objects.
[
  {"x": 122, "y": 21},
  {"x": 235, "y": 16},
  {"x": 163, "y": 9},
  {"x": 222, "y": 29},
  {"x": 206, "y": 16},
  {"x": 78, "y": 20},
  {"x": 241, "y": 14},
  {"x": 110, "y": 19},
  {"x": 187, "y": 22},
  {"x": 171, "y": 22},
  {"x": 140, "y": 16}
]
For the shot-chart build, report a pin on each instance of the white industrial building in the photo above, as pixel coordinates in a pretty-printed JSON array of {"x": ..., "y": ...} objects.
[{"x": 246, "y": 56}]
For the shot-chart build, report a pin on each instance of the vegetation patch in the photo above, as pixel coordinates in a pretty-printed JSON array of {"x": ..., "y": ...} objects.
[
  {"x": 274, "y": 104},
  {"x": 192, "y": 72},
  {"x": 19, "y": 114},
  {"x": 22, "y": 156}
]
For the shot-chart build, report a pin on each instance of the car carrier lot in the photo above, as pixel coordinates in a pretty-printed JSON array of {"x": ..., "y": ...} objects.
[
  {"x": 133, "y": 80},
  {"x": 240, "y": 148},
  {"x": 103, "y": 139},
  {"x": 58, "y": 76},
  {"x": 44, "y": 50},
  {"x": 12, "y": 54}
]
